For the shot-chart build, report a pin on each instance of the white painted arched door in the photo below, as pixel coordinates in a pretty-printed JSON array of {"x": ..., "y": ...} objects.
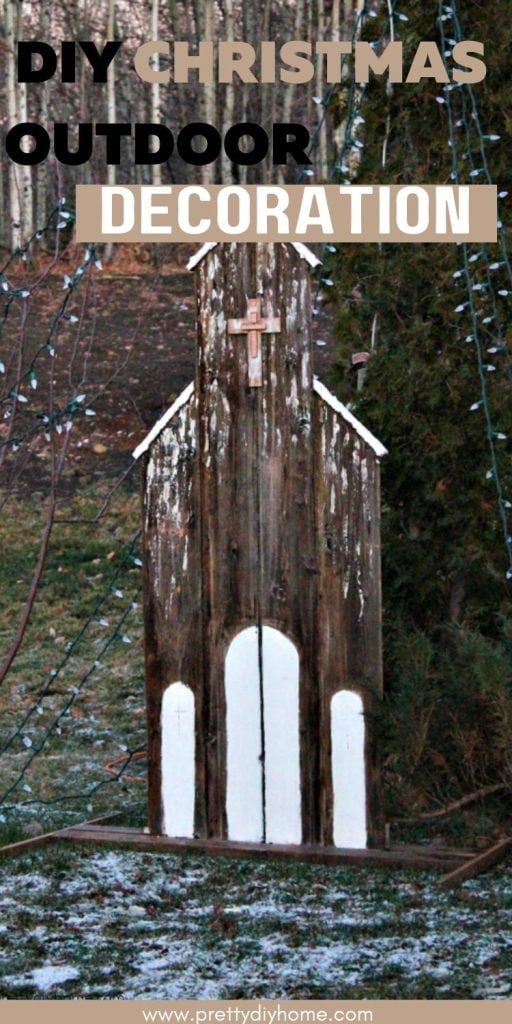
[
  {"x": 178, "y": 761},
  {"x": 244, "y": 790},
  {"x": 348, "y": 771},
  {"x": 263, "y": 762}
]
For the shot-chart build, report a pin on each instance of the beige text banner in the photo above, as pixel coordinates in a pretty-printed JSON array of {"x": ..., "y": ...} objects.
[
  {"x": 278, "y": 213},
  {"x": 257, "y": 1012}
]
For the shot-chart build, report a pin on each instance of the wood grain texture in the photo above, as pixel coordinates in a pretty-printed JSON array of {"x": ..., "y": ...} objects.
[
  {"x": 172, "y": 589},
  {"x": 348, "y": 623},
  {"x": 477, "y": 865},
  {"x": 26, "y": 845},
  {"x": 401, "y": 857},
  {"x": 262, "y": 507}
]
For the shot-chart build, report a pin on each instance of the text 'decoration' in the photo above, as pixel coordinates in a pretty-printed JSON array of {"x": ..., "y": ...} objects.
[{"x": 275, "y": 213}]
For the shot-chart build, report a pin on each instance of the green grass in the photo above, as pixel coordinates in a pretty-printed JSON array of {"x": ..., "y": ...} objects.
[
  {"x": 98, "y": 691},
  {"x": 162, "y": 926}
]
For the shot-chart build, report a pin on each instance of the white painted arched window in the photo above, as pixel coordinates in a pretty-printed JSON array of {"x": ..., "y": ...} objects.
[
  {"x": 178, "y": 761},
  {"x": 348, "y": 771},
  {"x": 263, "y": 762},
  {"x": 244, "y": 792}
]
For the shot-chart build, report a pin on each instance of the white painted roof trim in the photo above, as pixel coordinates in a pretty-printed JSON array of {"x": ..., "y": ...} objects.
[
  {"x": 300, "y": 249},
  {"x": 198, "y": 256},
  {"x": 178, "y": 404},
  {"x": 319, "y": 389},
  {"x": 328, "y": 397},
  {"x": 306, "y": 254}
]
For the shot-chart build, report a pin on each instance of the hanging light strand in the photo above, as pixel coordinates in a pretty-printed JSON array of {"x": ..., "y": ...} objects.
[{"x": 474, "y": 286}]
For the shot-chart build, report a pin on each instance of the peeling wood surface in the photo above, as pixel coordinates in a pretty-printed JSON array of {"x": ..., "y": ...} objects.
[
  {"x": 348, "y": 613},
  {"x": 173, "y": 592},
  {"x": 262, "y": 507}
]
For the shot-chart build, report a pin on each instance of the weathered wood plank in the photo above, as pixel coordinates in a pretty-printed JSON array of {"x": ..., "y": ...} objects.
[
  {"x": 257, "y": 492},
  {"x": 451, "y": 852},
  {"x": 477, "y": 865},
  {"x": 288, "y": 566},
  {"x": 173, "y": 605},
  {"x": 122, "y": 830},
  {"x": 348, "y": 623},
  {"x": 446, "y": 854},
  {"x": 140, "y": 840},
  {"x": 229, "y": 495},
  {"x": 25, "y": 845}
]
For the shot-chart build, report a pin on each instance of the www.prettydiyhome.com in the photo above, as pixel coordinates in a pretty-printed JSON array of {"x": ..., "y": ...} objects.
[{"x": 258, "y": 1015}]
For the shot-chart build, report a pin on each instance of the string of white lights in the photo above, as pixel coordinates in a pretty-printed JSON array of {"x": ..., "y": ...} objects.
[{"x": 484, "y": 322}]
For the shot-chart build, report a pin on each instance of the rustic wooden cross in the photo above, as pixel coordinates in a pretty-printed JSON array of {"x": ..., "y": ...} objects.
[{"x": 254, "y": 326}]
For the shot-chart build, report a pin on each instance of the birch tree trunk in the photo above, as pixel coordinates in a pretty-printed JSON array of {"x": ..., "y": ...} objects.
[
  {"x": 289, "y": 91},
  {"x": 180, "y": 30},
  {"x": 26, "y": 200},
  {"x": 207, "y": 25},
  {"x": 45, "y": 19},
  {"x": 335, "y": 20},
  {"x": 351, "y": 31},
  {"x": 156, "y": 169},
  {"x": 321, "y": 146},
  {"x": 111, "y": 99},
  {"x": 15, "y": 184},
  {"x": 336, "y": 34},
  {"x": 229, "y": 104}
]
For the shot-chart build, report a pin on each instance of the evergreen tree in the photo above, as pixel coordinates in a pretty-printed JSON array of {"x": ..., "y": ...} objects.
[{"x": 447, "y": 625}]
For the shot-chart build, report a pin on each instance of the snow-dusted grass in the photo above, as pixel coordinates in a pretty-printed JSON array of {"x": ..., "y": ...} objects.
[
  {"x": 77, "y": 923},
  {"x": 81, "y": 924}
]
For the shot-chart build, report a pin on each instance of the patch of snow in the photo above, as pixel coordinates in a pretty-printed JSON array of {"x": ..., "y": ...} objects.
[
  {"x": 496, "y": 988},
  {"x": 134, "y": 910},
  {"x": 45, "y": 978}
]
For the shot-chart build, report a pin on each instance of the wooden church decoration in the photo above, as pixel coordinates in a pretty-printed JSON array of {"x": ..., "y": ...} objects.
[{"x": 262, "y": 579}]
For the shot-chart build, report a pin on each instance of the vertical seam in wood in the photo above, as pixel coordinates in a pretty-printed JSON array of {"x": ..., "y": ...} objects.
[
  {"x": 257, "y": 404},
  {"x": 256, "y": 408},
  {"x": 204, "y": 582}
]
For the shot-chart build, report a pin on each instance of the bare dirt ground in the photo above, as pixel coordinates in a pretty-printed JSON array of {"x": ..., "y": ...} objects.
[{"x": 139, "y": 323}]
